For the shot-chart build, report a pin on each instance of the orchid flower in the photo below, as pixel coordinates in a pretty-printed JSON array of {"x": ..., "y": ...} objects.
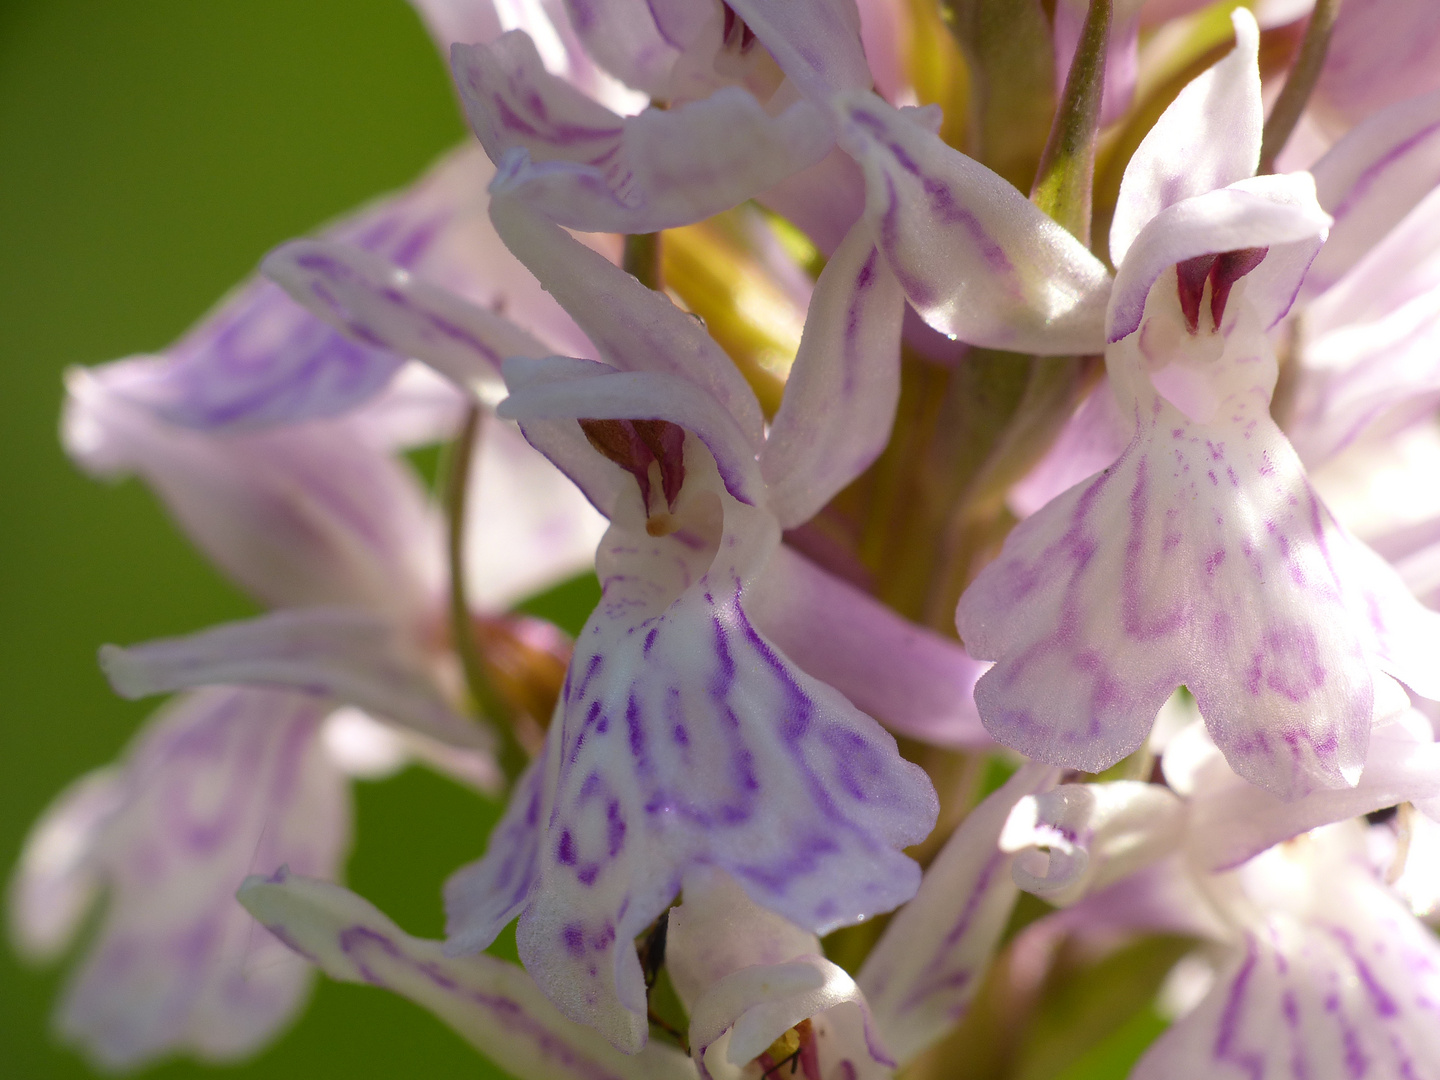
[
  {"x": 320, "y": 521},
  {"x": 1321, "y": 970},
  {"x": 1201, "y": 556},
  {"x": 757, "y": 989},
  {"x": 669, "y": 446}
]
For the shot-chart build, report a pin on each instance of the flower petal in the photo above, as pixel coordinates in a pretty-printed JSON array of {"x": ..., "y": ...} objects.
[
  {"x": 597, "y": 392},
  {"x": 1208, "y": 138},
  {"x": 973, "y": 255},
  {"x": 375, "y": 301},
  {"x": 1371, "y": 179},
  {"x": 1078, "y": 838},
  {"x": 684, "y": 738},
  {"x": 747, "y": 1011},
  {"x": 310, "y": 514},
  {"x": 1314, "y": 1001},
  {"x": 839, "y": 403},
  {"x": 591, "y": 169},
  {"x": 633, "y": 328},
  {"x": 815, "y": 42},
  {"x": 219, "y": 782},
  {"x": 1231, "y": 578},
  {"x": 491, "y": 1003},
  {"x": 1368, "y": 345},
  {"x": 719, "y": 930},
  {"x": 56, "y": 881},
  {"x": 910, "y": 679},
  {"x": 1275, "y": 212},
  {"x": 1381, "y": 51},
  {"x": 921, "y": 975},
  {"x": 343, "y": 654}
]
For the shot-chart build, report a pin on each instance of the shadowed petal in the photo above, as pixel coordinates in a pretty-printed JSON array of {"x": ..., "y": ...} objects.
[
  {"x": 343, "y": 654},
  {"x": 839, "y": 403},
  {"x": 921, "y": 975},
  {"x": 219, "y": 783},
  {"x": 912, "y": 680},
  {"x": 491, "y": 1003}
]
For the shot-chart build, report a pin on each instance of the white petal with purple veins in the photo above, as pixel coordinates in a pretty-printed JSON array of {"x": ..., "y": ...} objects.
[
  {"x": 342, "y": 654},
  {"x": 1329, "y": 999},
  {"x": 591, "y": 169},
  {"x": 491, "y": 1003},
  {"x": 974, "y": 256},
  {"x": 922, "y": 974},
  {"x": 220, "y": 783},
  {"x": 1209, "y": 137},
  {"x": 840, "y": 397},
  {"x": 375, "y": 301},
  {"x": 1079, "y": 838}
]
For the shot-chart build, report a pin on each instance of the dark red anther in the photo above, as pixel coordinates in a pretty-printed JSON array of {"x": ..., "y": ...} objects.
[
  {"x": 1190, "y": 278},
  {"x": 1230, "y": 267},
  {"x": 635, "y": 444},
  {"x": 1222, "y": 271}
]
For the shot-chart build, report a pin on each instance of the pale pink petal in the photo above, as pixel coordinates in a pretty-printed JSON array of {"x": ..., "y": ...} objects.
[
  {"x": 633, "y": 328},
  {"x": 912, "y": 680},
  {"x": 840, "y": 397},
  {"x": 719, "y": 930},
  {"x": 1208, "y": 138},
  {"x": 922, "y": 974},
  {"x": 815, "y": 42},
  {"x": 1371, "y": 179},
  {"x": 1090, "y": 440},
  {"x": 344, "y": 654},
  {"x": 1381, "y": 51},
  {"x": 490, "y": 1003},
  {"x": 973, "y": 255},
  {"x": 1368, "y": 346},
  {"x": 220, "y": 783},
  {"x": 309, "y": 514},
  {"x": 1078, "y": 838},
  {"x": 745, "y": 1012},
  {"x": 57, "y": 881},
  {"x": 591, "y": 169},
  {"x": 375, "y": 301},
  {"x": 1329, "y": 999},
  {"x": 1226, "y": 574},
  {"x": 1232, "y": 821}
]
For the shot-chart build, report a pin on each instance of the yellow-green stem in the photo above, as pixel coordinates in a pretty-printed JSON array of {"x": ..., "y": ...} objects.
[{"x": 490, "y": 704}]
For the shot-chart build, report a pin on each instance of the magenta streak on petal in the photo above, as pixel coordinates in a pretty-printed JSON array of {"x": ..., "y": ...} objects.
[
  {"x": 937, "y": 976},
  {"x": 864, "y": 282},
  {"x": 1136, "y": 626},
  {"x": 1251, "y": 1063},
  {"x": 554, "y": 133},
  {"x": 355, "y": 940},
  {"x": 1367, "y": 179}
]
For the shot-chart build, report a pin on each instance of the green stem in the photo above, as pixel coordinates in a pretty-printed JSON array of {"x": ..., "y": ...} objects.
[
  {"x": 1300, "y": 83},
  {"x": 1066, "y": 177},
  {"x": 491, "y": 705},
  {"x": 642, "y": 259}
]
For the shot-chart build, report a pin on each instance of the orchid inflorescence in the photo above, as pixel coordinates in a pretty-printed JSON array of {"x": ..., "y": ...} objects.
[{"x": 1029, "y": 383}]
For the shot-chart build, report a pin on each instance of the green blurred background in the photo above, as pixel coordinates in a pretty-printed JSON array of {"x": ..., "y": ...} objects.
[{"x": 150, "y": 153}]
